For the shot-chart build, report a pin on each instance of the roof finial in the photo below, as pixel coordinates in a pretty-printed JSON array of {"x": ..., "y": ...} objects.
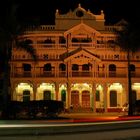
[
  {"x": 79, "y": 5},
  {"x": 102, "y": 12},
  {"x": 57, "y": 11}
]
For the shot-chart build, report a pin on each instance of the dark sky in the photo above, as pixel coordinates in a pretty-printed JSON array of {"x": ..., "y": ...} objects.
[{"x": 44, "y": 10}]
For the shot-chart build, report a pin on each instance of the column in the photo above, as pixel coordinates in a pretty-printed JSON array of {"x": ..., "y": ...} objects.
[
  {"x": 34, "y": 91},
  {"x": 105, "y": 87},
  {"x": 56, "y": 69},
  {"x": 126, "y": 91},
  {"x": 93, "y": 68},
  {"x": 106, "y": 70},
  {"x": 68, "y": 101},
  {"x": 57, "y": 91},
  {"x": 94, "y": 97},
  {"x": 80, "y": 98}
]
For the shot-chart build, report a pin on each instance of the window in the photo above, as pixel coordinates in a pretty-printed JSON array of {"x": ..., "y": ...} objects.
[
  {"x": 132, "y": 68},
  {"x": 62, "y": 40},
  {"x": 74, "y": 40},
  {"x": 113, "y": 98},
  {"x": 97, "y": 95},
  {"x": 26, "y": 67},
  {"x": 112, "y": 67},
  {"x": 75, "y": 67},
  {"x": 85, "y": 67},
  {"x": 63, "y": 95},
  {"x": 62, "y": 67},
  {"x": 112, "y": 70},
  {"x": 26, "y": 95},
  {"x": 48, "y": 41},
  {"x": 79, "y": 13},
  {"x": 47, "y": 67},
  {"x": 47, "y": 95}
]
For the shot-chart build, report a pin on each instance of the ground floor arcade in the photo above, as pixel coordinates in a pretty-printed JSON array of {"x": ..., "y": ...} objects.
[{"x": 79, "y": 96}]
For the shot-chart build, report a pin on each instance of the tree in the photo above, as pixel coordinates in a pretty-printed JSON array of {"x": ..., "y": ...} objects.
[
  {"x": 127, "y": 38},
  {"x": 10, "y": 29}
]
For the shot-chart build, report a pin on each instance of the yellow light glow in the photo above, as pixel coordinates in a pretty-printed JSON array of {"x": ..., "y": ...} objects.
[
  {"x": 136, "y": 86},
  {"x": 116, "y": 86}
]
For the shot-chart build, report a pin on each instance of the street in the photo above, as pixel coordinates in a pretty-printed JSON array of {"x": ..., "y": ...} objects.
[
  {"x": 78, "y": 126},
  {"x": 130, "y": 134}
]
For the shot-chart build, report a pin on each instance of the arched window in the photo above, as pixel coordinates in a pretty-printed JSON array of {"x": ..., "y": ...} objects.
[
  {"x": 47, "y": 67},
  {"x": 62, "y": 40},
  {"x": 113, "y": 98},
  {"x": 27, "y": 42},
  {"x": 112, "y": 70},
  {"x": 85, "y": 67},
  {"x": 26, "y": 67},
  {"x": 26, "y": 95},
  {"x": 48, "y": 41},
  {"x": 132, "y": 68},
  {"x": 75, "y": 67},
  {"x": 112, "y": 67},
  {"x": 63, "y": 95},
  {"x": 62, "y": 67},
  {"x": 47, "y": 95},
  {"x": 97, "y": 95}
]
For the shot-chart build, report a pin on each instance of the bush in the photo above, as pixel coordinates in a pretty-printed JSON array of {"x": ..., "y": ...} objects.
[{"x": 30, "y": 109}]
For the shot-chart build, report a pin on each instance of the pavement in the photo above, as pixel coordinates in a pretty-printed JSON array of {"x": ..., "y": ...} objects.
[{"x": 96, "y": 117}]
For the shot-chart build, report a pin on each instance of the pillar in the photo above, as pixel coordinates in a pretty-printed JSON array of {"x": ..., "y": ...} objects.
[
  {"x": 105, "y": 87},
  {"x": 94, "y": 97},
  {"x": 34, "y": 91},
  {"x": 57, "y": 91},
  {"x": 68, "y": 100}
]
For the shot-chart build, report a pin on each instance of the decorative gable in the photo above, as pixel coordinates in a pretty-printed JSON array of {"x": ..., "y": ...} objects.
[
  {"x": 80, "y": 55},
  {"x": 81, "y": 29}
]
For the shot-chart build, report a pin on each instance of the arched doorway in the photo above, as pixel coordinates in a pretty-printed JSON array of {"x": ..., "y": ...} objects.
[
  {"x": 23, "y": 92},
  {"x": 63, "y": 95},
  {"x": 85, "y": 99},
  {"x": 113, "y": 98},
  {"x": 116, "y": 97},
  {"x": 47, "y": 95},
  {"x": 134, "y": 96},
  {"x": 75, "y": 98},
  {"x": 46, "y": 91},
  {"x": 26, "y": 95}
]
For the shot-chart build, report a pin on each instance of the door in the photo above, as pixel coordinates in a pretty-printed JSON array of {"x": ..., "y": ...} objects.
[
  {"x": 26, "y": 95},
  {"x": 134, "y": 96},
  {"x": 75, "y": 99},
  {"x": 85, "y": 99},
  {"x": 113, "y": 98},
  {"x": 47, "y": 95}
]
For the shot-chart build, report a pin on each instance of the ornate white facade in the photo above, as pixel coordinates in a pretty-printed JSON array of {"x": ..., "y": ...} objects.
[{"x": 76, "y": 64}]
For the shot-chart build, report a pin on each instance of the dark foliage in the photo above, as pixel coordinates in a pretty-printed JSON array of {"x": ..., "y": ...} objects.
[{"x": 35, "y": 109}]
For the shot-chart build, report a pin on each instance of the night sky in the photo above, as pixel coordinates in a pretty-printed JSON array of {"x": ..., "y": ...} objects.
[{"x": 43, "y": 11}]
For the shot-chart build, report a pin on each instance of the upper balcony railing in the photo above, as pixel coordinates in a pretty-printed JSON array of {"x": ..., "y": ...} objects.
[
  {"x": 72, "y": 45},
  {"x": 78, "y": 74}
]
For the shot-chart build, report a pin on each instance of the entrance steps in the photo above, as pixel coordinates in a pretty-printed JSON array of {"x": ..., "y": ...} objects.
[{"x": 81, "y": 110}]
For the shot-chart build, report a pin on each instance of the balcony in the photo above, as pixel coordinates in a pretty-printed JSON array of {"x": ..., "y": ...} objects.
[
  {"x": 22, "y": 74},
  {"x": 39, "y": 72},
  {"x": 82, "y": 74},
  {"x": 46, "y": 74}
]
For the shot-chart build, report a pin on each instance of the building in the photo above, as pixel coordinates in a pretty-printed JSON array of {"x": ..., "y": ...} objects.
[{"x": 76, "y": 64}]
